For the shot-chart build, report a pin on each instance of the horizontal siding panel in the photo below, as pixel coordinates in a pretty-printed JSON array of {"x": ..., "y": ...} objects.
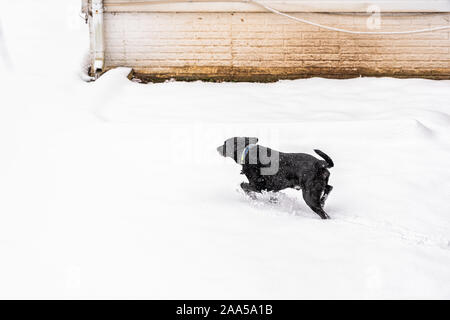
[{"x": 253, "y": 43}]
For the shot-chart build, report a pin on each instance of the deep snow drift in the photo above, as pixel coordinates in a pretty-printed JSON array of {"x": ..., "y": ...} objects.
[{"x": 115, "y": 189}]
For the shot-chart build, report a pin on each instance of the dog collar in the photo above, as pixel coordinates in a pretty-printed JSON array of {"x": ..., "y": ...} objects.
[{"x": 244, "y": 153}]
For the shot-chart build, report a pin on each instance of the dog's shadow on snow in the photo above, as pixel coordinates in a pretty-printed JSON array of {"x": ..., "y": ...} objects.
[{"x": 279, "y": 203}]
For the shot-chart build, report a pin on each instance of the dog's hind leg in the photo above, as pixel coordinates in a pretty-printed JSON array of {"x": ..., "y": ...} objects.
[
  {"x": 312, "y": 199},
  {"x": 326, "y": 192}
]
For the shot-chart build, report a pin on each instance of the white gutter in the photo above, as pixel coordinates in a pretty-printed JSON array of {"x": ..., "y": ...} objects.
[
  {"x": 98, "y": 38},
  {"x": 385, "y": 6},
  {"x": 85, "y": 8}
]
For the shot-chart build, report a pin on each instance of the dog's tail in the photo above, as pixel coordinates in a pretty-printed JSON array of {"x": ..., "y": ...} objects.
[{"x": 327, "y": 159}]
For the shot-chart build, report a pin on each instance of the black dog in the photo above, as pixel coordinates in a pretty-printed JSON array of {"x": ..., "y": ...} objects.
[{"x": 270, "y": 170}]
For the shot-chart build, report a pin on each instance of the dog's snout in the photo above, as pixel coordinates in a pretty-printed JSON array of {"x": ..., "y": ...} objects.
[{"x": 220, "y": 150}]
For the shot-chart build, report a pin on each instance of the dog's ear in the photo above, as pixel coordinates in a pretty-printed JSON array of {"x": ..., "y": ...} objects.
[{"x": 252, "y": 140}]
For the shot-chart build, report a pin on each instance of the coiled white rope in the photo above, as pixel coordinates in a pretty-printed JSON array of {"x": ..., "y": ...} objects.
[{"x": 344, "y": 30}]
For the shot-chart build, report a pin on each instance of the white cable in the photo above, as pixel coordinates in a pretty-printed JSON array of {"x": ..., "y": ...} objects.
[{"x": 344, "y": 30}]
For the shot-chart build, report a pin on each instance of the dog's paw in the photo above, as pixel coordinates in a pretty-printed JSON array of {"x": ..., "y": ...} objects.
[
  {"x": 273, "y": 200},
  {"x": 244, "y": 190}
]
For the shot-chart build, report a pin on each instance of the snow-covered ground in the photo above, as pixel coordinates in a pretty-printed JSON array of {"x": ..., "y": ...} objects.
[{"x": 114, "y": 189}]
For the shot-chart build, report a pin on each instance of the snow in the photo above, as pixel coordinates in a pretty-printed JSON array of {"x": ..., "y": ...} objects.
[{"x": 114, "y": 189}]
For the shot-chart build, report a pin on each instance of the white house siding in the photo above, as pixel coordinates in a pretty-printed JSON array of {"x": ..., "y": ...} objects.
[{"x": 264, "y": 46}]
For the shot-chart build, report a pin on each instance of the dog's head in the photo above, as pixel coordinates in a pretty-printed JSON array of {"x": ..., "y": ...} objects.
[{"x": 233, "y": 147}]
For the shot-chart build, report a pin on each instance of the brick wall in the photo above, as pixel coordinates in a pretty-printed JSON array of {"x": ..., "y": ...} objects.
[{"x": 264, "y": 46}]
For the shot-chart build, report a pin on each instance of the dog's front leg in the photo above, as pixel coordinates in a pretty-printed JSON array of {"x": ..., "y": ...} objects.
[{"x": 249, "y": 189}]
